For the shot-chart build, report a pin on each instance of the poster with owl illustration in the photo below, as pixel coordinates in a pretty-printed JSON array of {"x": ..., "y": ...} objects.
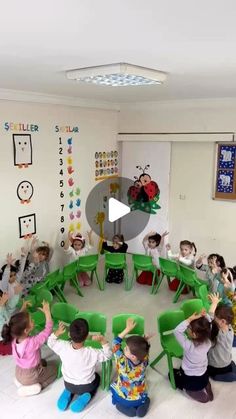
[
  {"x": 27, "y": 226},
  {"x": 25, "y": 191},
  {"x": 22, "y": 150}
]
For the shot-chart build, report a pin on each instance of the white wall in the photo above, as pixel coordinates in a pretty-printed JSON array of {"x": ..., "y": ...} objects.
[
  {"x": 211, "y": 224},
  {"x": 98, "y": 130}
]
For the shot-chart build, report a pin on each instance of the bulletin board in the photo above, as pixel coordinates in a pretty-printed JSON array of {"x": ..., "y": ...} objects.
[{"x": 225, "y": 172}]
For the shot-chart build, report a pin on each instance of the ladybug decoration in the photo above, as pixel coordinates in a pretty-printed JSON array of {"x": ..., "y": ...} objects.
[{"x": 144, "y": 194}]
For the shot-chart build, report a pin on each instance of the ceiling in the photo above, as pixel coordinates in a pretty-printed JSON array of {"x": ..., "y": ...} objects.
[{"x": 193, "y": 41}]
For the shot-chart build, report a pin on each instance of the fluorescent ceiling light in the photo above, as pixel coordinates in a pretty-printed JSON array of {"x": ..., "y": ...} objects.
[{"x": 121, "y": 74}]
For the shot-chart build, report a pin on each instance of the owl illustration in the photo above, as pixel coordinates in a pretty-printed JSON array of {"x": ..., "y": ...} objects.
[
  {"x": 22, "y": 150},
  {"x": 25, "y": 191},
  {"x": 27, "y": 226}
]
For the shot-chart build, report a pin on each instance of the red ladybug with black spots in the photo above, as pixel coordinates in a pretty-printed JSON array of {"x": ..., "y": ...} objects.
[
  {"x": 149, "y": 189},
  {"x": 135, "y": 189}
]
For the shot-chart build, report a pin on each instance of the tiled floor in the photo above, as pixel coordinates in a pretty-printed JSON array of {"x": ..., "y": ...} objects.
[{"x": 165, "y": 402}]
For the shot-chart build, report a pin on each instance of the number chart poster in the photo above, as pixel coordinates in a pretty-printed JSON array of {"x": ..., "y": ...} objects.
[
  {"x": 225, "y": 185},
  {"x": 68, "y": 189}
]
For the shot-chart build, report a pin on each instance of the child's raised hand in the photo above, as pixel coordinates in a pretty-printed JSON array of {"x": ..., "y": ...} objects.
[
  {"x": 23, "y": 252},
  {"x": 214, "y": 298},
  {"x": 195, "y": 316},
  {"x": 9, "y": 259},
  {"x": 61, "y": 329},
  {"x": 165, "y": 234},
  {"x": 168, "y": 246},
  {"x": 25, "y": 305},
  {"x": 45, "y": 307},
  {"x": 130, "y": 324},
  {"x": 18, "y": 288},
  {"x": 99, "y": 338},
  {"x": 149, "y": 336},
  {"x": 4, "y": 298}
]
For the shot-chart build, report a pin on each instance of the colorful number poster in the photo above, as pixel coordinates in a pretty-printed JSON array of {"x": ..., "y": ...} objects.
[
  {"x": 225, "y": 186},
  {"x": 106, "y": 164}
]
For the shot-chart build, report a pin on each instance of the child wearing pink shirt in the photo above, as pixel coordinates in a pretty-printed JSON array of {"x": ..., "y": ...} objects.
[{"x": 31, "y": 376}]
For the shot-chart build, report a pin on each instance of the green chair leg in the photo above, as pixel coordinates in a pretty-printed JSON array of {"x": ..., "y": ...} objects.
[
  {"x": 157, "y": 359},
  {"x": 171, "y": 371},
  {"x": 98, "y": 281},
  {"x": 178, "y": 292},
  {"x": 158, "y": 283},
  {"x": 76, "y": 286},
  {"x": 154, "y": 282},
  {"x": 126, "y": 279},
  {"x": 59, "y": 373},
  {"x": 109, "y": 371}
]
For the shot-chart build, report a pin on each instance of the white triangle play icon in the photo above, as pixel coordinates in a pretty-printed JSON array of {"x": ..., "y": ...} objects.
[{"x": 116, "y": 209}]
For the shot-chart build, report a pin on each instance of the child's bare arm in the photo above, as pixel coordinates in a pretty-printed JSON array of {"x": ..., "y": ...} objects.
[{"x": 130, "y": 325}]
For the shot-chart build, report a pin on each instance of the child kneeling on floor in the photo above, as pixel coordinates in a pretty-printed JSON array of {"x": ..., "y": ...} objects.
[
  {"x": 78, "y": 364},
  {"x": 31, "y": 375},
  {"x": 193, "y": 376},
  {"x": 129, "y": 392}
]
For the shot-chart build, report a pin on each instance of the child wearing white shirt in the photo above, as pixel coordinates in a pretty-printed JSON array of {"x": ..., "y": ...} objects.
[
  {"x": 78, "y": 364},
  {"x": 75, "y": 246},
  {"x": 186, "y": 256}
]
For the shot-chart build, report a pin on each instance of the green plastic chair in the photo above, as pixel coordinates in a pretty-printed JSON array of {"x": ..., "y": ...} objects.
[
  {"x": 202, "y": 293},
  {"x": 144, "y": 263},
  {"x": 191, "y": 306},
  {"x": 39, "y": 320},
  {"x": 116, "y": 261},
  {"x": 38, "y": 287},
  {"x": 66, "y": 313},
  {"x": 118, "y": 325},
  {"x": 97, "y": 324},
  {"x": 166, "y": 323},
  {"x": 168, "y": 268},
  {"x": 187, "y": 277},
  {"x": 70, "y": 272},
  {"x": 54, "y": 282},
  {"x": 43, "y": 295},
  {"x": 89, "y": 264}
]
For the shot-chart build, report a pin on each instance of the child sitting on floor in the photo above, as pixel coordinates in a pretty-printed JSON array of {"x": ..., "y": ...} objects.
[
  {"x": 215, "y": 263},
  {"x": 129, "y": 392},
  {"x": 153, "y": 245},
  {"x": 31, "y": 376},
  {"x": 118, "y": 246},
  {"x": 78, "y": 364},
  {"x": 193, "y": 376},
  {"x": 75, "y": 246},
  {"x": 220, "y": 364}
]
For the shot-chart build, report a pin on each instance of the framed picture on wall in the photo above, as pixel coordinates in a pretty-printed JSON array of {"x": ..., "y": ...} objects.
[{"x": 225, "y": 172}]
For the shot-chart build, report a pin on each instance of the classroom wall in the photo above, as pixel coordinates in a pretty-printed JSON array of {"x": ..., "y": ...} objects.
[
  {"x": 193, "y": 214},
  {"x": 97, "y": 132}
]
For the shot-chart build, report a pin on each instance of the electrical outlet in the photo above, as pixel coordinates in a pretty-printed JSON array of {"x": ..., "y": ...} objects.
[{"x": 182, "y": 197}]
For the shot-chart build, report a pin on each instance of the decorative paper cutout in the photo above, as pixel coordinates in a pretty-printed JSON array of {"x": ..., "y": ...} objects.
[
  {"x": 27, "y": 226},
  {"x": 78, "y": 202},
  {"x": 25, "y": 191},
  {"x": 227, "y": 157},
  {"x": 225, "y": 181},
  {"x": 145, "y": 193},
  {"x": 22, "y": 150}
]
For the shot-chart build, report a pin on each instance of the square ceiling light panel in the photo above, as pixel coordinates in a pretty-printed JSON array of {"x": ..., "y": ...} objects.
[{"x": 118, "y": 75}]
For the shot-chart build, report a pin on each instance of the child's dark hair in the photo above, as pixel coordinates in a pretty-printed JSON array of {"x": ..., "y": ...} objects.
[
  {"x": 222, "y": 312},
  {"x": 120, "y": 237},
  {"x": 13, "y": 268},
  {"x": 156, "y": 237},
  {"x": 79, "y": 330},
  {"x": 80, "y": 238},
  {"x": 138, "y": 346},
  {"x": 219, "y": 259},
  {"x": 202, "y": 329},
  {"x": 189, "y": 244},
  {"x": 44, "y": 250},
  {"x": 233, "y": 272},
  {"x": 16, "y": 326}
]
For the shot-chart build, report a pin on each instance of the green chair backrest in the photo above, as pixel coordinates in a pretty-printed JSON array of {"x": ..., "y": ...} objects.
[
  {"x": 71, "y": 269},
  {"x": 142, "y": 262},
  {"x": 119, "y": 324},
  {"x": 203, "y": 294},
  {"x": 53, "y": 278},
  {"x": 187, "y": 275},
  {"x": 43, "y": 295},
  {"x": 169, "y": 267},
  {"x": 168, "y": 321},
  {"x": 64, "y": 312},
  {"x": 115, "y": 260},
  {"x": 87, "y": 262},
  {"x": 191, "y": 306},
  {"x": 97, "y": 321},
  {"x": 92, "y": 344}
]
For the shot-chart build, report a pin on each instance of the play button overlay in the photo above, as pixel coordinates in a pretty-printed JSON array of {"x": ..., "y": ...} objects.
[
  {"x": 116, "y": 210},
  {"x": 111, "y": 208}
]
